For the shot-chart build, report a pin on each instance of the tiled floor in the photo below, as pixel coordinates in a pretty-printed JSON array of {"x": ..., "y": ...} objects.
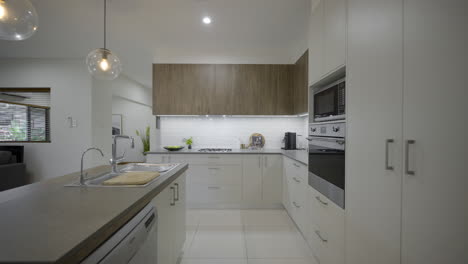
[{"x": 243, "y": 237}]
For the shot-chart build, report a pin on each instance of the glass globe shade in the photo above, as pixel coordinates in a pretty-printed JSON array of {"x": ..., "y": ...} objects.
[
  {"x": 103, "y": 64},
  {"x": 18, "y": 19}
]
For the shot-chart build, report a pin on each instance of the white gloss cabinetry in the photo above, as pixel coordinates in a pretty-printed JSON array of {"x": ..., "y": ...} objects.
[
  {"x": 170, "y": 205},
  {"x": 407, "y": 80},
  {"x": 230, "y": 180},
  {"x": 320, "y": 221},
  {"x": 327, "y": 38}
]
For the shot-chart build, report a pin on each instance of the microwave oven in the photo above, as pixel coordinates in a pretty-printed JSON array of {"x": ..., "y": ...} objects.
[{"x": 329, "y": 102}]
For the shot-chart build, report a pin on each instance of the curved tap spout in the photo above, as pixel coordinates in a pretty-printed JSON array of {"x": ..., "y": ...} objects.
[{"x": 82, "y": 176}]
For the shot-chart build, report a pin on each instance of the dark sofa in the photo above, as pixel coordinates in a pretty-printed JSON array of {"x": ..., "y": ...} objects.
[{"x": 12, "y": 170}]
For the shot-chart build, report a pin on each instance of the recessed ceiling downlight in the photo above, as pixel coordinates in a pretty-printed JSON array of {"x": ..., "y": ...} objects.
[{"x": 206, "y": 20}]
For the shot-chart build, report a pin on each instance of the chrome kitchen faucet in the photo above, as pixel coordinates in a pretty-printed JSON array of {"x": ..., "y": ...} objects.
[{"x": 114, "y": 160}]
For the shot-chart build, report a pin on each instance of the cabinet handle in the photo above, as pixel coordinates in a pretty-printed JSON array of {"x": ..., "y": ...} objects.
[
  {"x": 259, "y": 161},
  {"x": 320, "y": 200},
  {"x": 295, "y": 204},
  {"x": 296, "y": 165},
  {"x": 387, "y": 144},
  {"x": 173, "y": 196},
  {"x": 265, "y": 161},
  {"x": 213, "y": 157},
  {"x": 214, "y": 168},
  {"x": 296, "y": 180},
  {"x": 214, "y": 187},
  {"x": 177, "y": 192},
  {"x": 320, "y": 236},
  {"x": 407, "y": 165}
]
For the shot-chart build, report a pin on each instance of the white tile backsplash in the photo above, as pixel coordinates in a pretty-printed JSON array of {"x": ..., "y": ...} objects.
[{"x": 229, "y": 132}]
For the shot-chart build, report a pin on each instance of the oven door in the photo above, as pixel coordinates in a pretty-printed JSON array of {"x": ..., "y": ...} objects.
[{"x": 327, "y": 172}]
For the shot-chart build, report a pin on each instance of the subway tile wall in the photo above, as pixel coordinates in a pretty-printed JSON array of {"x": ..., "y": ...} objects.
[{"x": 230, "y": 132}]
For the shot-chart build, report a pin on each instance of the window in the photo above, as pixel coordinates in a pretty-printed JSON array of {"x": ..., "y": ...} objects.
[{"x": 24, "y": 115}]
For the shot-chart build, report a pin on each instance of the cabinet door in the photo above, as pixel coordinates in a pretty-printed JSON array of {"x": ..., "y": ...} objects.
[
  {"x": 162, "y": 202},
  {"x": 180, "y": 216},
  {"x": 316, "y": 29},
  {"x": 301, "y": 84},
  {"x": 335, "y": 34},
  {"x": 374, "y": 110},
  {"x": 252, "y": 178},
  {"x": 435, "y": 226},
  {"x": 272, "y": 178},
  {"x": 287, "y": 187},
  {"x": 183, "y": 89}
]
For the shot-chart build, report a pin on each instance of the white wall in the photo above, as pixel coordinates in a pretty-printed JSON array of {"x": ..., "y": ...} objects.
[
  {"x": 229, "y": 131},
  {"x": 71, "y": 89},
  {"x": 134, "y": 102}
]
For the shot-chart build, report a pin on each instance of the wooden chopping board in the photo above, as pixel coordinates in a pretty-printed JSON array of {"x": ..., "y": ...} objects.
[{"x": 133, "y": 178}]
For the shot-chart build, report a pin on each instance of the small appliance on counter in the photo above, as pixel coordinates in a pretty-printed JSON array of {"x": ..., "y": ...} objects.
[{"x": 289, "y": 141}]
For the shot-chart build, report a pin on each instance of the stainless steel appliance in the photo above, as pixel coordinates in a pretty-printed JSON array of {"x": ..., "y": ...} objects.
[
  {"x": 327, "y": 160},
  {"x": 289, "y": 140},
  {"x": 329, "y": 102},
  {"x": 130, "y": 244},
  {"x": 215, "y": 150}
]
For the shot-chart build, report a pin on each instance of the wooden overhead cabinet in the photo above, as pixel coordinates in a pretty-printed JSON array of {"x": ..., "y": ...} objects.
[{"x": 225, "y": 89}]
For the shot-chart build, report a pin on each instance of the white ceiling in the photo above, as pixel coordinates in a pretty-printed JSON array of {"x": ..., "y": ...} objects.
[{"x": 145, "y": 31}]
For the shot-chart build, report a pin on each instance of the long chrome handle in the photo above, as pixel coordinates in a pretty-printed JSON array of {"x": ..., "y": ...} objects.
[
  {"x": 214, "y": 187},
  {"x": 296, "y": 180},
  {"x": 260, "y": 161},
  {"x": 295, "y": 204},
  {"x": 265, "y": 161},
  {"x": 387, "y": 144},
  {"x": 173, "y": 196},
  {"x": 320, "y": 200},
  {"x": 407, "y": 165},
  {"x": 213, "y": 157},
  {"x": 296, "y": 165},
  {"x": 177, "y": 192},
  {"x": 320, "y": 236},
  {"x": 214, "y": 168}
]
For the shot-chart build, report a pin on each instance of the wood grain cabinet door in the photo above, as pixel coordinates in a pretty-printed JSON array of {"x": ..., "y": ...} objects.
[{"x": 183, "y": 89}]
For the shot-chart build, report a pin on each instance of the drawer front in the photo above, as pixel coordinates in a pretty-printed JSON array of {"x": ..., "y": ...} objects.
[
  {"x": 216, "y": 174},
  {"x": 218, "y": 159},
  {"x": 327, "y": 219},
  {"x": 212, "y": 193},
  {"x": 295, "y": 169}
]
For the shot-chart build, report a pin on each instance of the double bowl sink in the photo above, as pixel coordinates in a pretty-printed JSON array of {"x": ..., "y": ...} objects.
[{"x": 98, "y": 181}]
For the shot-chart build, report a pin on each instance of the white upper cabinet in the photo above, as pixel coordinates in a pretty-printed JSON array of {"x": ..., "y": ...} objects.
[
  {"x": 435, "y": 224},
  {"x": 335, "y": 34},
  {"x": 327, "y": 38},
  {"x": 316, "y": 43}
]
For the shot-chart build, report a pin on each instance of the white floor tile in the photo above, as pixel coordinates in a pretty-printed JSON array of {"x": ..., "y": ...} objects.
[
  {"x": 192, "y": 218},
  {"x": 275, "y": 242},
  {"x": 217, "y": 242},
  {"x": 281, "y": 261},
  {"x": 266, "y": 218},
  {"x": 219, "y": 217},
  {"x": 214, "y": 261},
  {"x": 190, "y": 234}
]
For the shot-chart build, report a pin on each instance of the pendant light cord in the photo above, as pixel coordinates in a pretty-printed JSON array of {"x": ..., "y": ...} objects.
[{"x": 105, "y": 25}]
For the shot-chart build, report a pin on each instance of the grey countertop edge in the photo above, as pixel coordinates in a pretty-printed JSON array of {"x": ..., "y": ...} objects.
[
  {"x": 297, "y": 155},
  {"x": 78, "y": 250}
]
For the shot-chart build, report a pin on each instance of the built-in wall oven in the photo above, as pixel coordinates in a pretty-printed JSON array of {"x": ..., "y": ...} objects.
[{"x": 327, "y": 160}]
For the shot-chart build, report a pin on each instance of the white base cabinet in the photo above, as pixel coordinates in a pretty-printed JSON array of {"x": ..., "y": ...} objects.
[
  {"x": 230, "y": 180},
  {"x": 170, "y": 205}
]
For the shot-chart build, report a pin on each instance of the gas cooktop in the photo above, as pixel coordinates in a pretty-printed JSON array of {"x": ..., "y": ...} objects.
[{"x": 215, "y": 150}]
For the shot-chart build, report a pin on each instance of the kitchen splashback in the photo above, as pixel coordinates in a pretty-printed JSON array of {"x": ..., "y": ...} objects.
[{"x": 229, "y": 132}]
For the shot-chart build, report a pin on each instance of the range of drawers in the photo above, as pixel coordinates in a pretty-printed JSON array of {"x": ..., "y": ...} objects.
[{"x": 320, "y": 221}]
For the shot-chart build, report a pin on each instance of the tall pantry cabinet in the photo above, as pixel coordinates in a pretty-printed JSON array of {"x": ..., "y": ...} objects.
[{"x": 406, "y": 198}]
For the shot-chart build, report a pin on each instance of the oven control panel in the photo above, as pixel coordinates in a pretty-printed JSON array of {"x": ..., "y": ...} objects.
[{"x": 337, "y": 129}]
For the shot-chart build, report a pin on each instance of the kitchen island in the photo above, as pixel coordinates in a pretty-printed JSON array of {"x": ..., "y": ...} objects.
[{"x": 46, "y": 222}]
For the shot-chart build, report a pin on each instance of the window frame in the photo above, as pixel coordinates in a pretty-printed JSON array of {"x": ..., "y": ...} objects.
[{"x": 28, "y": 114}]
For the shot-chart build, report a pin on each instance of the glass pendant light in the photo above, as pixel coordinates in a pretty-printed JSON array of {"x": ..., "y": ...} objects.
[
  {"x": 18, "y": 19},
  {"x": 102, "y": 63}
]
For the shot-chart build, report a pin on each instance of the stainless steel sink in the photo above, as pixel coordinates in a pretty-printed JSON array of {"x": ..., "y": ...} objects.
[{"x": 97, "y": 181}]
